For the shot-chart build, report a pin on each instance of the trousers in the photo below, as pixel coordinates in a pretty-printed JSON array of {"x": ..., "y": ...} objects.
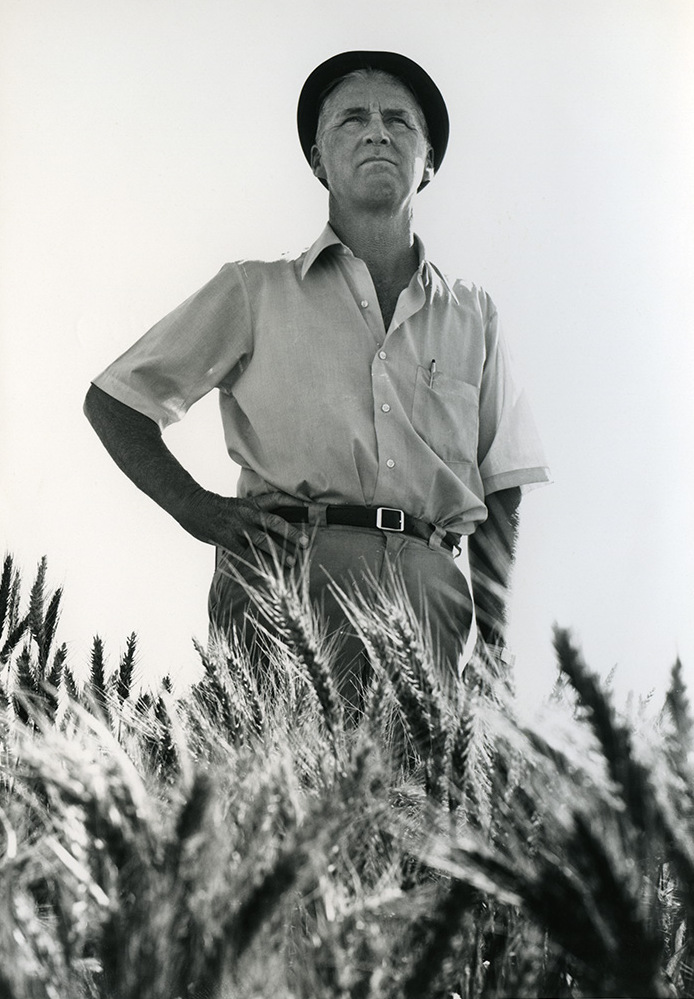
[{"x": 349, "y": 559}]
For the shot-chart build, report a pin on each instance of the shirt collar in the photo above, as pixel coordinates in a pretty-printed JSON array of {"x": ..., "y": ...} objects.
[
  {"x": 427, "y": 271},
  {"x": 327, "y": 238}
]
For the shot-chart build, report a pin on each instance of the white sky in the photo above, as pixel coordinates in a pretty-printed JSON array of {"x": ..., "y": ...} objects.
[{"x": 149, "y": 141}]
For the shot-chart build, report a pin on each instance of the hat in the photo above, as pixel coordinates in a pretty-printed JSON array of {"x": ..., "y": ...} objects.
[{"x": 425, "y": 90}]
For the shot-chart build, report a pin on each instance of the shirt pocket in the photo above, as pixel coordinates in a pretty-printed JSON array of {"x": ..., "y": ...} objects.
[{"x": 446, "y": 415}]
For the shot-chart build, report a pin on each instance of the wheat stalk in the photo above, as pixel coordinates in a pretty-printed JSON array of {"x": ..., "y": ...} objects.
[{"x": 251, "y": 842}]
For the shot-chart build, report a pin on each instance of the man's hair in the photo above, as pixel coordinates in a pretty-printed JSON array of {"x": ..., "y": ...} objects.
[{"x": 365, "y": 74}]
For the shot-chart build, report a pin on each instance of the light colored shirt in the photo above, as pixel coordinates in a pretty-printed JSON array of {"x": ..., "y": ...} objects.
[{"x": 321, "y": 402}]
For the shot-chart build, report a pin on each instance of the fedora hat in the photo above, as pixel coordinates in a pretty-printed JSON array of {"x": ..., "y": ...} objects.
[{"x": 420, "y": 83}]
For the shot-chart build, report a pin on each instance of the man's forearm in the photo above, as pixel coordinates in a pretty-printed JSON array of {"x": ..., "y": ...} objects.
[
  {"x": 491, "y": 550},
  {"x": 135, "y": 444}
]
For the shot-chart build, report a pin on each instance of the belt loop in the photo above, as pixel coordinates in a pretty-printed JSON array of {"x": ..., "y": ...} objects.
[
  {"x": 317, "y": 514},
  {"x": 436, "y": 538}
]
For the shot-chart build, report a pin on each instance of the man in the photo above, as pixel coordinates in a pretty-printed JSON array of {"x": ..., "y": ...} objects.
[{"x": 367, "y": 400}]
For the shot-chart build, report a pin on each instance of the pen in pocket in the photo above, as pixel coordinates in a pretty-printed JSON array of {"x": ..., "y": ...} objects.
[{"x": 432, "y": 372}]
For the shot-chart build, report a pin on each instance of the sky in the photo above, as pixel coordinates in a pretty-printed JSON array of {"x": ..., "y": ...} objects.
[{"x": 147, "y": 142}]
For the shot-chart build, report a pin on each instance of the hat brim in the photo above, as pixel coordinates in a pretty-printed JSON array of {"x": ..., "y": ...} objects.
[{"x": 425, "y": 90}]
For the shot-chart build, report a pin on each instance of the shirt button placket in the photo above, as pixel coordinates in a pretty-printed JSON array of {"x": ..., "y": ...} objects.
[{"x": 385, "y": 407}]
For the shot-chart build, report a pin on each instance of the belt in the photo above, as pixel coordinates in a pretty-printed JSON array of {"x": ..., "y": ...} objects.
[{"x": 385, "y": 518}]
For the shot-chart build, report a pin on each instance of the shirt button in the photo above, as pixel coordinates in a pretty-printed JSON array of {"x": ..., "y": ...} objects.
[
  {"x": 390, "y": 463},
  {"x": 382, "y": 354},
  {"x": 364, "y": 304},
  {"x": 385, "y": 407}
]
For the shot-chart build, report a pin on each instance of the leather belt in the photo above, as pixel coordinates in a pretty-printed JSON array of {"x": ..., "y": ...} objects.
[{"x": 384, "y": 518}]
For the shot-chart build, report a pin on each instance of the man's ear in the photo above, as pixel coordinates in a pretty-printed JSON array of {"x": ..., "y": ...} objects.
[
  {"x": 317, "y": 163},
  {"x": 428, "y": 167}
]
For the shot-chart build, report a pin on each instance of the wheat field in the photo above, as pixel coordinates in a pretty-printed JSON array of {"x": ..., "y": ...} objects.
[{"x": 246, "y": 838}]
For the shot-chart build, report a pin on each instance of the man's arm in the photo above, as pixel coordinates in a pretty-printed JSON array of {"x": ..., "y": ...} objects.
[
  {"x": 491, "y": 550},
  {"x": 136, "y": 445}
]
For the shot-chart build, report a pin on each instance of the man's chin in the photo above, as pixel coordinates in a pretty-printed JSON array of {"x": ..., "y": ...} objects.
[
  {"x": 382, "y": 193},
  {"x": 375, "y": 193}
]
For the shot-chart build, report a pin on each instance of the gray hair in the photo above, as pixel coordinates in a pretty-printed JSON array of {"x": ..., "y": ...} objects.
[{"x": 368, "y": 73}]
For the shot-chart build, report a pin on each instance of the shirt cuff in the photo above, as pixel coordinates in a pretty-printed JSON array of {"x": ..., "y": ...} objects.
[{"x": 523, "y": 477}]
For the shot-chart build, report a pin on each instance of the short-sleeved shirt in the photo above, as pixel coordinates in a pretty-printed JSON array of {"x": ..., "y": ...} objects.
[{"x": 319, "y": 401}]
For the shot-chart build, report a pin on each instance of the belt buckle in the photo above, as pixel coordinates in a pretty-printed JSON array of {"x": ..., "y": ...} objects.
[{"x": 380, "y": 510}]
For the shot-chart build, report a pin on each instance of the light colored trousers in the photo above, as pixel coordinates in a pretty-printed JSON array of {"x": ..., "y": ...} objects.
[{"x": 350, "y": 557}]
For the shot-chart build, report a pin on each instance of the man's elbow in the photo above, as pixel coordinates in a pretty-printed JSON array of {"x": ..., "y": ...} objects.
[
  {"x": 90, "y": 403},
  {"x": 102, "y": 410},
  {"x": 108, "y": 417},
  {"x": 95, "y": 408},
  {"x": 503, "y": 505}
]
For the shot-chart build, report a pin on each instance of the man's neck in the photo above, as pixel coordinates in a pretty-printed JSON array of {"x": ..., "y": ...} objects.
[{"x": 384, "y": 242}]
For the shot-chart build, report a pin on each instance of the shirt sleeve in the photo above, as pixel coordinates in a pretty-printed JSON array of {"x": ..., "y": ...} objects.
[
  {"x": 510, "y": 452},
  {"x": 197, "y": 347}
]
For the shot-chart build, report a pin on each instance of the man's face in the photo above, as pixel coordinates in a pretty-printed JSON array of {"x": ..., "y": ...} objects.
[{"x": 371, "y": 147}]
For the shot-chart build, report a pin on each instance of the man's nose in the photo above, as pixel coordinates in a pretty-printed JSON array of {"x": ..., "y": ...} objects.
[{"x": 376, "y": 130}]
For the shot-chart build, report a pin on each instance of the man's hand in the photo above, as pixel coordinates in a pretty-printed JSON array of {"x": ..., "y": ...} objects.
[
  {"x": 135, "y": 444},
  {"x": 237, "y": 524}
]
